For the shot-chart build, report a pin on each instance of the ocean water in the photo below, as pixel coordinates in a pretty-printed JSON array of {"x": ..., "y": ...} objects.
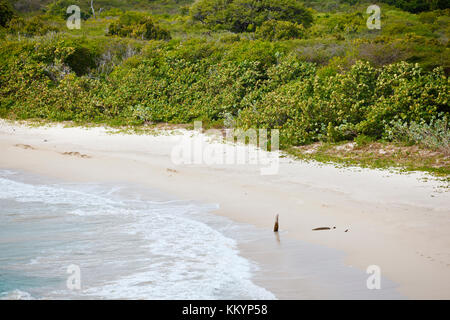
[{"x": 127, "y": 245}]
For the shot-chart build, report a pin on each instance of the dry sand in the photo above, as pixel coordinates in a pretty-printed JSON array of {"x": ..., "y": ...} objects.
[{"x": 400, "y": 222}]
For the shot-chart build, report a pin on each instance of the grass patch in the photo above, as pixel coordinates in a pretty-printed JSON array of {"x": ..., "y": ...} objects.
[{"x": 377, "y": 155}]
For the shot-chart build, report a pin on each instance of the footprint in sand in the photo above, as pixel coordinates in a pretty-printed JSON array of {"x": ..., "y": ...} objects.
[
  {"x": 25, "y": 146},
  {"x": 76, "y": 154}
]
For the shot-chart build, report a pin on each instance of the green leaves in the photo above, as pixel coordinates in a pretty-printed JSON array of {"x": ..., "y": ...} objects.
[
  {"x": 248, "y": 84},
  {"x": 245, "y": 15},
  {"x": 279, "y": 30},
  {"x": 6, "y": 12},
  {"x": 139, "y": 26},
  {"x": 361, "y": 100}
]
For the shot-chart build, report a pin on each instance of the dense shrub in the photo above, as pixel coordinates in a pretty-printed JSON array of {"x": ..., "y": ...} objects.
[
  {"x": 340, "y": 24},
  {"x": 6, "y": 12},
  {"x": 362, "y": 100},
  {"x": 230, "y": 38},
  {"x": 249, "y": 84},
  {"x": 23, "y": 6},
  {"x": 59, "y": 9},
  {"x": 246, "y": 15},
  {"x": 405, "y": 92},
  {"x": 433, "y": 135},
  {"x": 432, "y": 17},
  {"x": 419, "y": 5},
  {"x": 137, "y": 25},
  {"x": 332, "y": 80},
  {"x": 279, "y": 30},
  {"x": 35, "y": 26}
]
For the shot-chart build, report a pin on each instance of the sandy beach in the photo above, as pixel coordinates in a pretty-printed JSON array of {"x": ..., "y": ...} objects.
[{"x": 399, "y": 222}]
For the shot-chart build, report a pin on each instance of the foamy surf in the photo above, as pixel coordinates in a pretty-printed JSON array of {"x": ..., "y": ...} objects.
[
  {"x": 126, "y": 247},
  {"x": 16, "y": 295}
]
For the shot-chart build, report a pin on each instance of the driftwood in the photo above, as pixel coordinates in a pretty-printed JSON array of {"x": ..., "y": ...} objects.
[
  {"x": 321, "y": 228},
  {"x": 275, "y": 227}
]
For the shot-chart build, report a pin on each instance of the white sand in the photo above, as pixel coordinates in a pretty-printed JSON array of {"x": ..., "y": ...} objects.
[{"x": 396, "y": 221}]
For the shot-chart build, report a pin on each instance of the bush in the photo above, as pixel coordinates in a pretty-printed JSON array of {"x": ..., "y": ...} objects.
[
  {"x": 35, "y": 26},
  {"x": 246, "y": 15},
  {"x": 340, "y": 24},
  {"x": 416, "y": 6},
  {"x": 59, "y": 9},
  {"x": 358, "y": 101},
  {"x": 6, "y": 12},
  {"x": 137, "y": 26},
  {"x": 247, "y": 84},
  {"x": 290, "y": 68},
  {"x": 279, "y": 30},
  {"x": 405, "y": 93},
  {"x": 434, "y": 135},
  {"x": 230, "y": 38}
]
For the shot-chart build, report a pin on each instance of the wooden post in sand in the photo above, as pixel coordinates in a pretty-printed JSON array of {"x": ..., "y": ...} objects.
[{"x": 275, "y": 227}]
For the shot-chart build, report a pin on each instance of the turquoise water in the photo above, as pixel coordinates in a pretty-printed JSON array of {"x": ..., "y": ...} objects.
[{"x": 126, "y": 245}]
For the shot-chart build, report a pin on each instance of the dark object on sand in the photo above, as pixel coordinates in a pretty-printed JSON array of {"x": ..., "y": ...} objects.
[
  {"x": 275, "y": 227},
  {"x": 321, "y": 228},
  {"x": 346, "y": 230}
]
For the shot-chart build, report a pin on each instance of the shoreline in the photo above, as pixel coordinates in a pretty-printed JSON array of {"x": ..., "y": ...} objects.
[
  {"x": 274, "y": 266},
  {"x": 85, "y": 222},
  {"x": 394, "y": 221}
]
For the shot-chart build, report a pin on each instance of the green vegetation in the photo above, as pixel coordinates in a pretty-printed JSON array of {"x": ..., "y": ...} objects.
[
  {"x": 58, "y": 7},
  {"x": 378, "y": 155},
  {"x": 434, "y": 135},
  {"x": 6, "y": 13},
  {"x": 279, "y": 30},
  {"x": 35, "y": 26},
  {"x": 319, "y": 75},
  {"x": 419, "y": 5},
  {"x": 245, "y": 15},
  {"x": 139, "y": 26}
]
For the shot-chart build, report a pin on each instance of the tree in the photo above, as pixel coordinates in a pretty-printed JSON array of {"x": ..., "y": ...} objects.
[{"x": 6, "y": 12}]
